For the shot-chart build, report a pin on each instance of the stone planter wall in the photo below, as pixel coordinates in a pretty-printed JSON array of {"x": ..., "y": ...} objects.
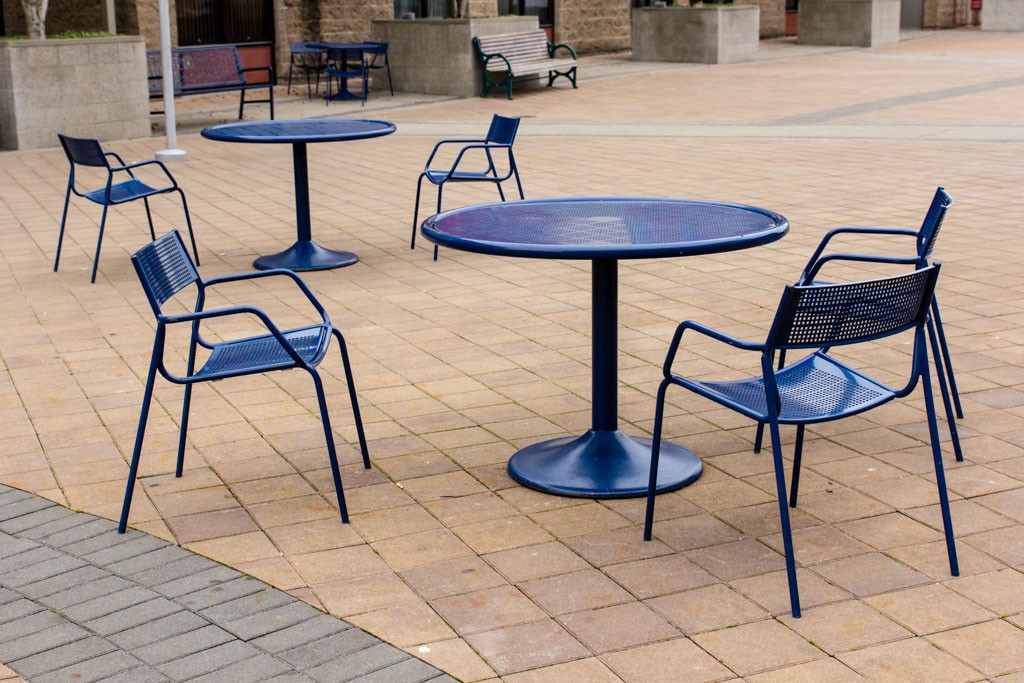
[
  {"x": 1002, "y": 15},
  {"x": 436, "y": 56},
  {"x": 94, "y": 87},
  {"x": 854, "y": 23},
  {"x": 709, "y": 35}
]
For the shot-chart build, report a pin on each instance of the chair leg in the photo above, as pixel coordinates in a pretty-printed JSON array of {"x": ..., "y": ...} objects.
[
  {"x": 188, "y": 223},
  {"x": 329, "y": 437},
  {"x": 291, "y": 64},
  {"x": 652, "y": 483},
  {"x": 440, "y": 189},
  {"x": 149, "y": 219},
  {"x": 63, "y": 222},
  {"x": 946, "y": 359},
  {"x": 387, "y": 66},
  {"x": 798, "y": 455},
  {"x": 787, "y": 533},
  {"x": 416, "y": 212},
  {"x": 501, "y": 193},
  {"x": 350, "y": 379},
  {"x": 133, "y": 468},
  {"x": 759, "y": 437},
  {"x": 186, "y": 406},
  {"x": 945, "y": 391},
  {"x": 940, "y": 475},
  {"x": 99, "y": 243},
  {"x": 519, "y": 184}
]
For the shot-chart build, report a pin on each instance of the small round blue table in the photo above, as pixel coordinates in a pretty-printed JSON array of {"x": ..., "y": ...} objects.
[
  {"x": 305, "y": 254},
  {"x": 604, "y": 462}
]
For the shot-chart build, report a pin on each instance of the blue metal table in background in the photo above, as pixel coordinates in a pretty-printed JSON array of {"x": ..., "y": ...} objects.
[
  {"x": 305, "y": 254},
  {"x": 604, "y": 462}
]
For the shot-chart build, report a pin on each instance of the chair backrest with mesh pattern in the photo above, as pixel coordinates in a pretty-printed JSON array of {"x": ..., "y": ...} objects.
[
  {"x": 503, "y": 130},
  {"x": 929, "y": 232},
  {"x": 812, "y": 316},
  {"x": 164, "y": 269},
  {"x": 84, "y": 151}
]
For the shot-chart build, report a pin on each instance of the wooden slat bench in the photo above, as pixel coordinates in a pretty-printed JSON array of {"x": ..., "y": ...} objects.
[
  {"x": 520, "y": 54},
  {"x": 209, "y": 69}
]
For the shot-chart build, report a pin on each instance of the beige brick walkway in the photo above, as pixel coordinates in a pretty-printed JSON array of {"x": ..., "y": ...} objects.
[{"x": 460, "y": 362}]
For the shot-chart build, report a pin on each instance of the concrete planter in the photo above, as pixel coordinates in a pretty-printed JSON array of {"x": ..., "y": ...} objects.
[
  {"x": 1002, "y": 15},
  {"x": 855, "y": 23},
  {"x": 436, "y": 56},
  {"x": 713, "y": 34},
  {"x": 87, "y": 87}
]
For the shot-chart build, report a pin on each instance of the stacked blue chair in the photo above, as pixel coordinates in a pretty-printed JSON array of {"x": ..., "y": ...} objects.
[
  {"x": 89, "y": 153},
  {"x": 164, "y": 269},
  {"x": 345, "y": 64},
  {"x": 819, "y": 387},
  {"x": 924, "y": 239},
  {"x": 500, "y": 137}
]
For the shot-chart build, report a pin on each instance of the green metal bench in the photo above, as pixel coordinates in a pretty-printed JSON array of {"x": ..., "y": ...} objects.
[{"x": 521, "y": 54}]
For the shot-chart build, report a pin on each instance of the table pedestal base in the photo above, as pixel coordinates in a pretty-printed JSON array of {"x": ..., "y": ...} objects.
[
  {"x": 306, "y": 255},
  {"x": 602, "y": 464}
]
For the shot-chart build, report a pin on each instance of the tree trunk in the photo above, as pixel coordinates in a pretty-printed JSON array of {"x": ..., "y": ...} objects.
[
  {"x": 35, "y": 17},
  {"x": 460, "y": 9}
]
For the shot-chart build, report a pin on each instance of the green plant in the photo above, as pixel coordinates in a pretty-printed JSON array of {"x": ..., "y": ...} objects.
[{"x": 66, "y": 35}]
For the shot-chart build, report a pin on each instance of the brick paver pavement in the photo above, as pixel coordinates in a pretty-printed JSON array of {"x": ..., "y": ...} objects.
[{"x": 460, "y": 362}]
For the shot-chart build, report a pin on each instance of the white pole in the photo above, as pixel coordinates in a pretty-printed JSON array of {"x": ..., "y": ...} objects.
[
  {"x": 172, "y": 153},
  {"x": 111, "y": 20}
]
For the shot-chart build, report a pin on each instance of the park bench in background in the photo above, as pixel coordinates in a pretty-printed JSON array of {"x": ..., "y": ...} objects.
[
  {"x": 209, "y": 69},
  {"x": 521, "y": 54}
]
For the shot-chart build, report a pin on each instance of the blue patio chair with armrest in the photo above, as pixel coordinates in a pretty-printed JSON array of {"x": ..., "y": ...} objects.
[
  {"x": 307, "y": 59},
  {"x": 379, "y": 60},
  {"x": 345, "y": 64},
  {"x": 925, "y": 239},
  {"x": 88, "y": 152},
  {"x": 165, "y": 270},
  {"x": 819, "y": 387},
  {"x": 500, "y": 137}
]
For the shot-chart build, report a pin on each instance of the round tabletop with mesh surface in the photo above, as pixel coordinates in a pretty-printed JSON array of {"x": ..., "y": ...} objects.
[
  {"x": 604, "y": 462},
  {"x": 604, "y": 227},
  {"x": 299, "y": 130}
]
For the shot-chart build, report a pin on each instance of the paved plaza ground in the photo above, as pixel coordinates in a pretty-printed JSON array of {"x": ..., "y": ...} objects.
[{"x": 460, "y": 362}]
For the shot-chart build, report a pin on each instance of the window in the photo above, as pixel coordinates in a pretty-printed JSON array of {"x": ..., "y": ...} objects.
[
  {"x": 436, "y": 9},
  {"x": 544, "y": 10}
]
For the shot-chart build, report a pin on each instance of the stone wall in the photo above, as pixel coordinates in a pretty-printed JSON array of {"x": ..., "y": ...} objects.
[
  {"x": 773, "y": 16},
  {"x": 593, "y": 25},
  {"x": 938, "y": 14},
  {"x": 1002, "y": 15},
  {"x": 92, "y": 87}
]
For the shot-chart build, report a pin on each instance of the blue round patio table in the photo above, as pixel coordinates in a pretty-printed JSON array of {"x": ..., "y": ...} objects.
[
  {"x": 305, "y": 254},
  {"x": 604, "y": 462}
]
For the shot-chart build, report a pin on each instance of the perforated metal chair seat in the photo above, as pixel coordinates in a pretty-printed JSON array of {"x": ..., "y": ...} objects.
[
  {"x": 816, "y": 389},
  {"x": 127, "y": 191},
  {"x": 263, "y": 353},
  {"x": 438, "y": 177}
]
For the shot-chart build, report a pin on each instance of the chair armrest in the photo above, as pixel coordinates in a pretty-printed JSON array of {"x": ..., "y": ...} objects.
[
  {"x": 139, "y": 164},
  {"x": 272, "y": 273},
  {"x": 810, "y": 274},
  {"x": 487, "y": 147},
  {"x": 117, "y": 156},
  {"x": 553, "y": 48},
  {"x": 709, "y": 332},
  {"x": 440, "y": 144},
  {"x": 199, "y": 316},
  {"x": 847, "y": 230}
]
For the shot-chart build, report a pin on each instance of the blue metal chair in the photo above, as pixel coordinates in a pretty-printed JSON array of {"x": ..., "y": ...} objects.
[
  {"x": 925, "y": 239},
  {"x": 88, "y": 152},
  {"x": 164, "y": 270},
  {"x": 500, "y": 136},
  {"x": 379, "y": 60},
  {"x": 309, "y": 60},
  {"x": 819, "y": 387},
  {"x": 345, "y": 64}
]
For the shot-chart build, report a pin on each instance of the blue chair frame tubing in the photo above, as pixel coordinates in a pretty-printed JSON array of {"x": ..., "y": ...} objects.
[
  {"x": 925, "y": 238},
  {"x": 166, "y": 262},
  {"x": 88, "y": 152},
  {"x": 800, "y": 394},
  {"x": 501, "y": 135}
]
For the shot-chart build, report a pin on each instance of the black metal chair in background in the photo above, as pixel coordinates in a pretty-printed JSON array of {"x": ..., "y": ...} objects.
[
  {"x": 310, "y": 61},
  {"x": 88, "y": 153},
  {"x": 164, "y": 269}
]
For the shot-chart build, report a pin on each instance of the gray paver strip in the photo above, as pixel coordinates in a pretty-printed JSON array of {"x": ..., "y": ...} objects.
[{"x": 79, "y": 601}]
